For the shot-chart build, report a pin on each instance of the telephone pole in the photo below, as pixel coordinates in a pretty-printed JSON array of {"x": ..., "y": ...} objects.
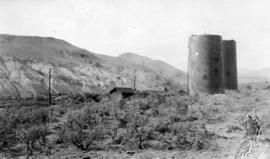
[
  {"x": 188, "y": 72},
  {"x": 134, "y": 82},
  {"x": 134, "y": 79},
  {"x": 50, "y": 95}
]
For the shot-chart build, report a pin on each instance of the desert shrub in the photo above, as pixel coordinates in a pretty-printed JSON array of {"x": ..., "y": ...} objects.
[
  {"x": 144, "y": 106},
  {"x": 123, "y": 119},
  {"x": 26, "y": 115},
  {"x": 159, "y": 121},
  {"x": 82, "y": 129},
  {"x": 267, "y": 87},
  {"x": 176, "y": 118},
  {"x": 26, "y": 126},
  {"x": 189, "y": 136},
  {"x": 233, "y": 128},
  {"x": 138, "y": 129},
  {"x": 83, "y": 138},
  {"x": 155, "y": 104},
  {"x": 113, "y": 132},
  {"x": 34, "y": 137},
  {"x": 86, "y": 97},
  {"x": 31, "y": 115},
  {"x": 172, "y": 103},
  {"x": 209, "y": 109},
  {"x": 118, "y": 135},
  {"x": 59, "y": 110},
  {"x": 252, "y": 125},
  {"x": 249, "y": 87},
  {"x": 7, "y": 138},
  {"x": 147, "y": 120},
  {"x": 162, "y": 133},
  {"x": 257, "y": 99},
  {"x": 212, "y": 113},
  {"x": 182, "y": 92},
  {"x": 162, "y": 127},
  {"x": 78, "y": 98},
  {"x": 94, "y": 97},
  {"x": 7, "y": 131}
]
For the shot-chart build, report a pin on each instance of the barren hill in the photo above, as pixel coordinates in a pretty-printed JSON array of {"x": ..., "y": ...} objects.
[{"x": 25, "y": 62}]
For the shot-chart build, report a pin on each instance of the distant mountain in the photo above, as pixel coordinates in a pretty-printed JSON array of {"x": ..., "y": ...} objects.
[{"x": 25, "y": 62}]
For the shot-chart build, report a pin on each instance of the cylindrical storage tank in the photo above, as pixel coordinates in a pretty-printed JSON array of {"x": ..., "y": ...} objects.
[
  {"x": 230, "y": 65},
  {"x": 205, "y": 70}
]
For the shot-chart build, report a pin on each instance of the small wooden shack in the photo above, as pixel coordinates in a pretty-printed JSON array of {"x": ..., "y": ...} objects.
[{"x": 124, "y": 92}]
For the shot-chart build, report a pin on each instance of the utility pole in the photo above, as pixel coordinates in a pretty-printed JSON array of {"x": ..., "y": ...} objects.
[
  {"x": 188, "y": 72},
  {"x": 134, "y": 79},
  {"x": 50, "y": 95},
  {"x": 134, "y": 83},
  {"x": 179, "y": 86}
]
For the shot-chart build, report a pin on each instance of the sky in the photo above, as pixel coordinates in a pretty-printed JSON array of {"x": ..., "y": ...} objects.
[{"x": 158, "y": 29}]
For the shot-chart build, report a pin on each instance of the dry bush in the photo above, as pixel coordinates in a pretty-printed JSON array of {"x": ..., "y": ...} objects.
[
  {"x": 86, "y": 97},
  {"x": 34, "y": 137},
  {"x": 7, "y": 131},
  {"x": 161, "y": 125},
  {"x": 83, "y": 138},
  {"x": 134, "y": 118},
  {"x": 59, "y": 110},
  {"x": 143, "y": 118},
  {"x": 138, "y": 122},
  {"x": 233, "y": 128},
  {"x": 31, "y": 115},
  {"x": 209, "y": 108},
  {"x": 190, "y": 136},
  {"x": 212, "y": 113},
  {"x": 138, "y": 130},
  {"x": 178, "y": 135},
  {"x": 25, "y": 126},
  {"x": 148, "y": 120},
  {"x": 83, "y": 128},
  {"x": 178, "y": 102},
  {"x": 249, "y": 87},
  {"x": 267, "y": 87}
]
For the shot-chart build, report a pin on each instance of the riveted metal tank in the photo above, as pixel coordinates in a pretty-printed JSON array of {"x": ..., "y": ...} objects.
[
  {"x": 230, "y": 65},
  {"x": 205, "y": 70}
]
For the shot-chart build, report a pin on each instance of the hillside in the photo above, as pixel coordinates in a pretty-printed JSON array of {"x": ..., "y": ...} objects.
[
  {"x": 159, "y": 67},
  {"x": 25, "y": 62}
]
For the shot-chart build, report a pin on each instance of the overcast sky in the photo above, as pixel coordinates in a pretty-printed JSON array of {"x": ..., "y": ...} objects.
[{"x": 158, "y": 29}]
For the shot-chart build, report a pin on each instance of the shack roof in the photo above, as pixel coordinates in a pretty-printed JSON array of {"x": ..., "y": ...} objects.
[{"x": 122, "y": 90}]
